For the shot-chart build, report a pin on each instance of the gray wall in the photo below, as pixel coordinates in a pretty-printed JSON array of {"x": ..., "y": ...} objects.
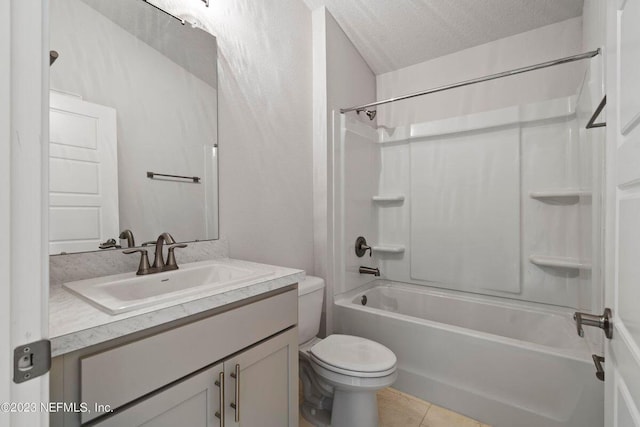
[{"x": 265, "y": 80}]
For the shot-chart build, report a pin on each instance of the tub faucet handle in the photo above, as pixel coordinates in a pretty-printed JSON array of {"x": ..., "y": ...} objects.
[
  {"x": 603, "y": 322},
  {"x": 362, "y": 247}
]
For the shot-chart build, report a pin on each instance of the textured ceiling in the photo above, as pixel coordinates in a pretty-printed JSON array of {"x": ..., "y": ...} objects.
[{"x": 392, "y": 34}]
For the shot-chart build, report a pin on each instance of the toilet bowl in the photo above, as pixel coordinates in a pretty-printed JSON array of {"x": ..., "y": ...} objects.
[{"x": 340, "y": 374}]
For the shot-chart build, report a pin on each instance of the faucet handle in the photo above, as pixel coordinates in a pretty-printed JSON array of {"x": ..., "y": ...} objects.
[
  {"x": 143, "y": 267},
  {"x": 171, "y": 257},
  {"x": 362, "y": 247}
]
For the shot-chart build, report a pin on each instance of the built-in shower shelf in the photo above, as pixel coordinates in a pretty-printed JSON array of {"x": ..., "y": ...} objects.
[
  {"x": 561, "y": 195},
  {"x": 559, "y": 262},
  {"x": 388, "y": 198},
  {"x": 389, "y": 249}
]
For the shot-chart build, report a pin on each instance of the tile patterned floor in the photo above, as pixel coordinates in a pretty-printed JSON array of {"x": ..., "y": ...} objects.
[{"x": 397, "y": 409}]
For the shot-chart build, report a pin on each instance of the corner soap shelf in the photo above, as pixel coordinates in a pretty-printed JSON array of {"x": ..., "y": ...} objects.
[
  {"x": 559, "y": 262},
  {"x": 392, "y": 198},
  {"x": 389, "y": 249},
  {"x": 561, "y": 195}
]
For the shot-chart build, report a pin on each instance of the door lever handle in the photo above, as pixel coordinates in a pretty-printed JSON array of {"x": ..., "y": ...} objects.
[{"x": 603, "y": 322}]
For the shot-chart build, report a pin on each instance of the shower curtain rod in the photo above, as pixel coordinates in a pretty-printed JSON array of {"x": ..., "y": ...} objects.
[{"x": 565, "y": 60}]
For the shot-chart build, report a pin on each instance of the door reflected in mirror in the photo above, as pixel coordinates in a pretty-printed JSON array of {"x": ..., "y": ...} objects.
[{"x": 133, "y": 127}]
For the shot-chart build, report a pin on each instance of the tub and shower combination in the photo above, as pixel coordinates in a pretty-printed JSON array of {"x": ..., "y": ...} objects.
[
  {"x": 508, "y": 364},
  {"x": 486, "y": 228}
]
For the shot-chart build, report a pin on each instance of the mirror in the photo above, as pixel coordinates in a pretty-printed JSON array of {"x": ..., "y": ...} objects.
[{"x": 133, "y": 126}]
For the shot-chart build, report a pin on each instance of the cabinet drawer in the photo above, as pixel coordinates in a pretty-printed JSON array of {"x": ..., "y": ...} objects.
[{"x": 120, "y": 375}]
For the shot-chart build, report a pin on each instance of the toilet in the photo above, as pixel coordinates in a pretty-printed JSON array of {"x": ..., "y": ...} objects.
[{"x": 340, "y": 374}]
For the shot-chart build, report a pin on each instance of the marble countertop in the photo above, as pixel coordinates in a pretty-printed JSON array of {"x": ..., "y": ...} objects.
[{"x": 75, "y": 324}]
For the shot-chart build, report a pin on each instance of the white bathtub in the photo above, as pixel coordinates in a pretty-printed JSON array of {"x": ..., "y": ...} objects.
[{"x": 504, "y": 363}]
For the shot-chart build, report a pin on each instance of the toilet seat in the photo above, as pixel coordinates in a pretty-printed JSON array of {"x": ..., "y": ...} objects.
[{"x": 353, "y": 356}]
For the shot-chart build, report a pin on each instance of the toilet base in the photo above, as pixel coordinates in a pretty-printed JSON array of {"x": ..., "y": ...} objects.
[
  {"x": 354, "y": 409},
  {"x": 349, "y": 410},
  {"x": 317, "y": 417}
]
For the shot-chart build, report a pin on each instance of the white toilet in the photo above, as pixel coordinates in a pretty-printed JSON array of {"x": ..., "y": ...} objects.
[{"x": 340, "y": 374}]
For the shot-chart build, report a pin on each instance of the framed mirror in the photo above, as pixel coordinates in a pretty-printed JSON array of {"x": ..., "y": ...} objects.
[{"x": 133, "y": 127}]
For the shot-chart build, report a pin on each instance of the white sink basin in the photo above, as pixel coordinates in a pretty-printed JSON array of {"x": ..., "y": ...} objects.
[{"x": 125, "y": 292}]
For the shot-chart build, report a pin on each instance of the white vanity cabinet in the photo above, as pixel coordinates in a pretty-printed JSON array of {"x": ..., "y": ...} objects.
[{"x": 240, "y": 364}]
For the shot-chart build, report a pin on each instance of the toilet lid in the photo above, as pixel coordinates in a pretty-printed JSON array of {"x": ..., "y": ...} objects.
[{"x": 354, "y": 354}]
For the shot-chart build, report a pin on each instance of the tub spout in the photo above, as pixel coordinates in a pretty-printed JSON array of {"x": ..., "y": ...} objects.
[{"x": 369, "y": 270}]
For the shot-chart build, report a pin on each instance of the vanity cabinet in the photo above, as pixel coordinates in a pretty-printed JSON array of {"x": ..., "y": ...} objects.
[
  {"x": 191, "y": 402},
  {"x": 241, "y": 363},
  {"x": 249, "y": 389},
  {"x": 261, "y": 383}
]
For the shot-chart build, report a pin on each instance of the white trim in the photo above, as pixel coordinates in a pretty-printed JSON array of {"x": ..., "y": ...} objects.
[
  {"x": 5, "y": 191},
  {"x": 29, "y": 64},
  {"x": 625, "y": 394}
]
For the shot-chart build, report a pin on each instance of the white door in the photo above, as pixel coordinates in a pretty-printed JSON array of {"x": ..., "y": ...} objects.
[
  {"x": 622, "y": 281},
  {"x": 83, "y": 175}
]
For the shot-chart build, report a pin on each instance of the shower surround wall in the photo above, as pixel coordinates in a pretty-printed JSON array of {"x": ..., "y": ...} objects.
[
  {"x": 477, "y": 215},
  {"x": 550, "y": 42}
]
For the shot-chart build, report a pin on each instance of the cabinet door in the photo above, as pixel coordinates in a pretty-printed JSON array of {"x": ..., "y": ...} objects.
[
  {"x": 262, "y": 384},
  {"x": 192, "y": 402}
]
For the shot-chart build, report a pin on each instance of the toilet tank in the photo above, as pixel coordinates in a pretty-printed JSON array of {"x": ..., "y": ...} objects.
[{"x": 310, "y": 294}]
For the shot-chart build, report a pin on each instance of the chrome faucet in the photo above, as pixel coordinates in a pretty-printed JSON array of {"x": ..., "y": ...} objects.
[
  {"x": 369, "y": 270},
  {"x": 159, "y": 264},
  {"x": 128, "y": 234}
]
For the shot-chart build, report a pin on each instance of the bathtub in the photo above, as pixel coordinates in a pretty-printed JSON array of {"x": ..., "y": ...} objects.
[{"x": 507, "y": 364}]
